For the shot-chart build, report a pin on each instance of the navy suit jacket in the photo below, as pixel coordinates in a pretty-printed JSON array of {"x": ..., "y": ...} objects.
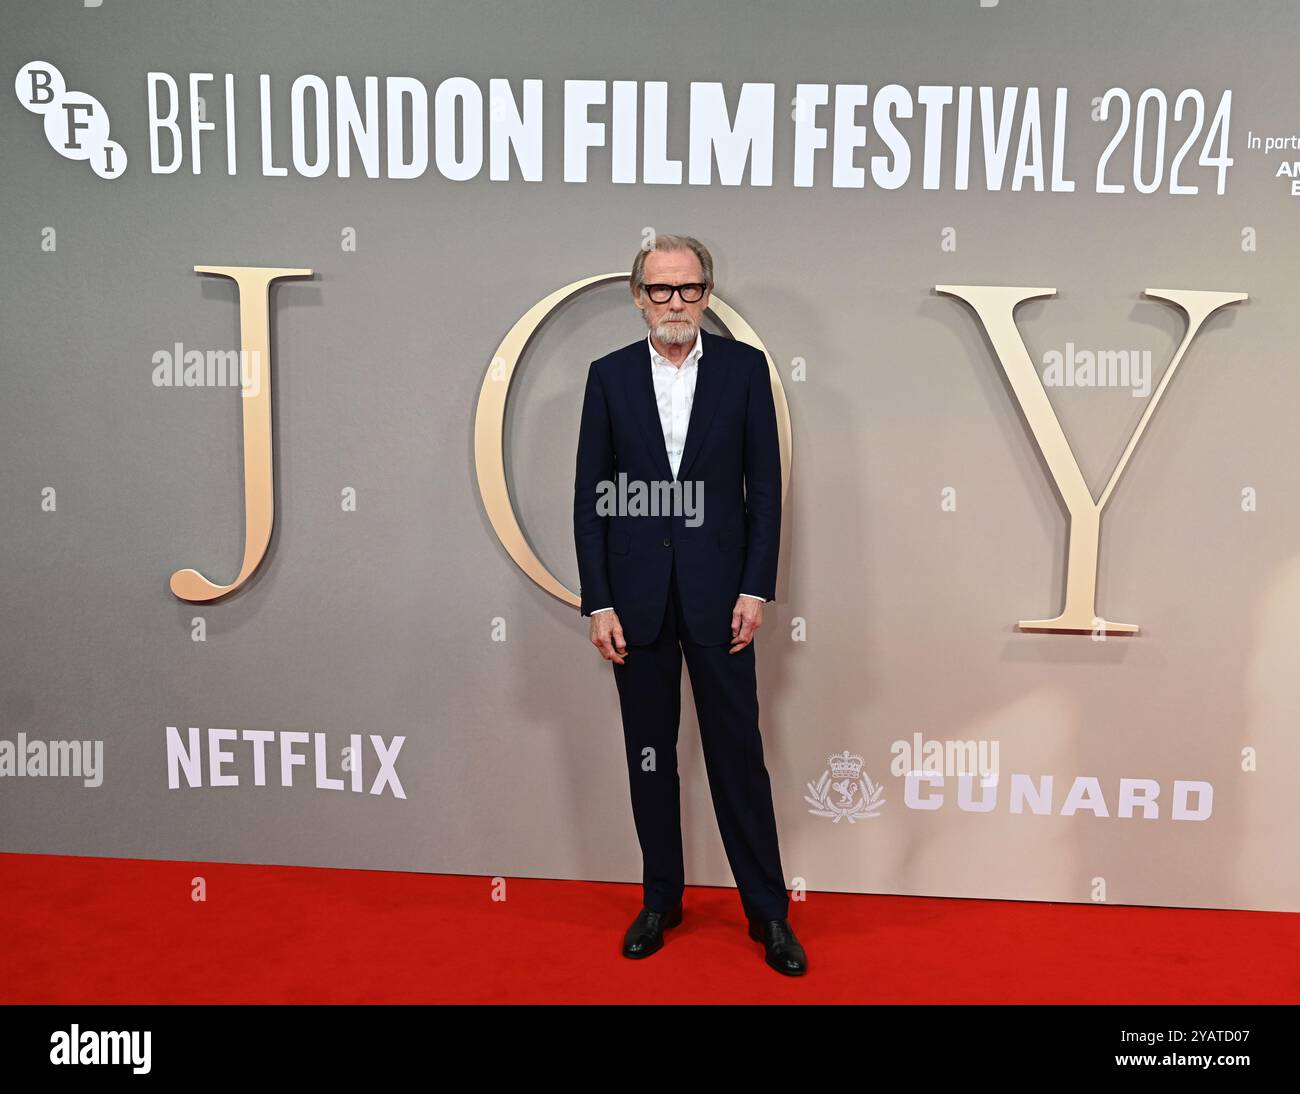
[{"x": 733, "y": 456}]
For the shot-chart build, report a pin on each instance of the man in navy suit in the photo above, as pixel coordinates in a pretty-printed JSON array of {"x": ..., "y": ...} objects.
[{"x": 677, "y": 522}]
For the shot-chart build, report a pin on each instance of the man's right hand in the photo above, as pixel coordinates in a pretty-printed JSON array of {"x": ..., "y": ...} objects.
[{"x": 607, "y": 636}]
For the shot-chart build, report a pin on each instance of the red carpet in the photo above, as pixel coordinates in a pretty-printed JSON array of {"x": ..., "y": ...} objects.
[{"x": 97, "y": 930}]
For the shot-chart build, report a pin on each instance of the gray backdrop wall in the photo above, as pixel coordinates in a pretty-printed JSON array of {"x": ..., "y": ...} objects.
[{"x": 381, "y": 620}]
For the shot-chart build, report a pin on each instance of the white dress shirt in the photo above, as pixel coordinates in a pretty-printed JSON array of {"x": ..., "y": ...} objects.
[{"x": 675, "y": 392}]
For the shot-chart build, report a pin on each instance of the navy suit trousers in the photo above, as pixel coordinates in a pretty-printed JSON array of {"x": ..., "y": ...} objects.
[{"x": 726, "y": 701}]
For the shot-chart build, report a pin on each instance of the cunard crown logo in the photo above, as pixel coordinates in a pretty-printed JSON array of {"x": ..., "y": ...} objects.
[
  {"x": 845, "y": 766},
  {"x": 845, "y": 792}
]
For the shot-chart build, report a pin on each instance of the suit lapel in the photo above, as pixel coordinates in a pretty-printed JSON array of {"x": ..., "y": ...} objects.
[
  {"x": 645, "y": 407},
  {"x": 708, "y": 389}
]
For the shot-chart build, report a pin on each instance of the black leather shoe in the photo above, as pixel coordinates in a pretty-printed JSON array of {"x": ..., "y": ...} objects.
[
  {"x": 646, "y": 935},
  {"x": 783, "y": 951}
]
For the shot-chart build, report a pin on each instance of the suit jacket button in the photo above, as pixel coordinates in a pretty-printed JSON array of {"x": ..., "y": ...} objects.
[{"x": 668, "y": 543}]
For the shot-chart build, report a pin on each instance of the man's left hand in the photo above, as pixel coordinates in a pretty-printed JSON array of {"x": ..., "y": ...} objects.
[{"x": 746, "y": 618}]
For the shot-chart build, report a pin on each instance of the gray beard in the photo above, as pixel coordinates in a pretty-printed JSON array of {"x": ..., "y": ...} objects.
[{"x": 671, "y": 334}]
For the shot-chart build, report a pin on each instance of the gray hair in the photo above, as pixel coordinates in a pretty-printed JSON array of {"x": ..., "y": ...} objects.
[{"x": 663, "y": 242}]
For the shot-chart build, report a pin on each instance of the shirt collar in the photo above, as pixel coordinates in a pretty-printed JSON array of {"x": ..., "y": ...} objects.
[{"x": 697, "y": 351}]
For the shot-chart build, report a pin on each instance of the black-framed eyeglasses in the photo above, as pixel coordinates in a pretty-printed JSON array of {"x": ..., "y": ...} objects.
[{"x": 691, "y": 293}]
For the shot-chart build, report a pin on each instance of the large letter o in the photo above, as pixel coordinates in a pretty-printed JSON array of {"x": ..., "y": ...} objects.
[{"x": 490, "y": 418}]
